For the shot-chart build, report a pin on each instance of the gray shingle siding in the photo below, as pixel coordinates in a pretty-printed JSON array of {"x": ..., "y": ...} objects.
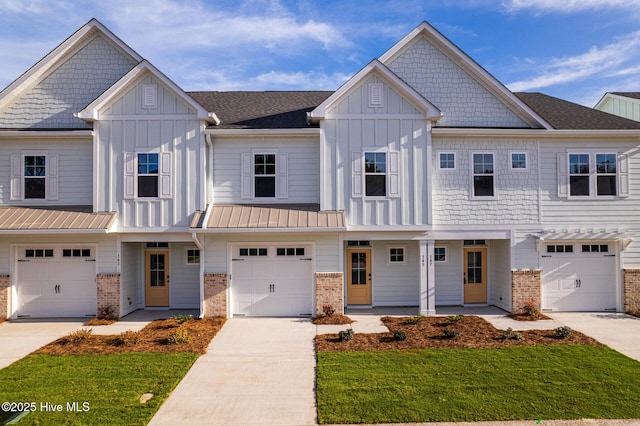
[{"x": 72, "y": 86}]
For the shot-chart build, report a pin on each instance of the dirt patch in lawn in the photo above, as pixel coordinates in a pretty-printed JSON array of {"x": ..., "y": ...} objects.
[
  {"x": 430, "y": 332},
  {"x": 335, "y": 319},
  {"x": 193, "y": 335}
]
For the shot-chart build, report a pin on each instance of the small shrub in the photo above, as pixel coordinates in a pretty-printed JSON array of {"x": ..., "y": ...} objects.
[
  {"x": 107, "y": 313},
  {"x": 80, "y": 335},
  {"x": 182, "y": 318},
  {"x": 563, "y": 332},
  {"x": 506, "y": 334},
  {"x": 450, "y": 333},
  {"x": 328, "y": 310},
  {"x": 455, "y": 318},
  {"x": 399, "y": 335},
  {"x": 179, "y": 336},
  {"x": 415, "y": 320},
  {"x": 518, "y": 336},
  {"x": 529, "y": 308},
  {"x": 346, "y": 335},
  {"x": 129, "y": 338}
]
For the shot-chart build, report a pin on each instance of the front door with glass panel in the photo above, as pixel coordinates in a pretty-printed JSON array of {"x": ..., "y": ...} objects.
[
  {"x": 359, "y": 276},
  {"x": 157, "y": 278},
  {"x": 475, "y": 275}
]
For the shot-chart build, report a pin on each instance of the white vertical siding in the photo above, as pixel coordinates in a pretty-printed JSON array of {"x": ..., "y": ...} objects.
[
  {"x": 624, "y": 108},
  {"x": 303, "y": 177},
  {"x": 449, "y": 278},
  {"x": 500, "y": 273},
  {"x": 396, "y": 284},
  {"x": 185, "y": 279},
  {"x": 131, "y": 277}
]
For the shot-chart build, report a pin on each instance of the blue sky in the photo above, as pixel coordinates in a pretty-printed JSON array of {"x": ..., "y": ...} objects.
[{"x": 573, "y": 49}]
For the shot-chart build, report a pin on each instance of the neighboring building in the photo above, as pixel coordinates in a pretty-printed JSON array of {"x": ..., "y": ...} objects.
[
  {"x": 624, "y": 104},
  {"x": 422, "y": 181}
]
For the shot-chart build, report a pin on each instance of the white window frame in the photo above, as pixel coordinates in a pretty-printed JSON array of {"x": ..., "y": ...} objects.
[
  {"x": 18, "y": 177},
  {"x": 248, "y": 176},
  {"x": 392, "y": 174},
  {"x": 446, "y": 254},
  {"x": 455, "y": 162},
  {"x": 526, "y": 161},
  {"x": 473, "y": 175},
  {"x": 186, "y": 256},
  {"x": 564, "y": 175},
  {"x": 397, "y": 247},
  {"x": 165, "y": 174}
]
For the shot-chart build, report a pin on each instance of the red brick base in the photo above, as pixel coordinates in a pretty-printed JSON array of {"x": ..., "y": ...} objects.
[
  {"x": 215, "y": 295},
  {"x": 329, "y": 291},
  {"x": 525, "y": 286},
  {"x": 632, "y": 290},
  {"x": 109, "y": 292},
  {"x": 5, "y": 296}
]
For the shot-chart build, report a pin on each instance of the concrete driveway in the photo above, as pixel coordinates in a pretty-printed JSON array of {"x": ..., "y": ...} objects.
[
  {"x": 19, "y": 338},
  {"x": 616, "y": 330},
  {"x": 257, "y": 371}
]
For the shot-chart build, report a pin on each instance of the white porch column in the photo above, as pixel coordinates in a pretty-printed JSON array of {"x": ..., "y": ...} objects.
[{"x": 427, "y": 279}]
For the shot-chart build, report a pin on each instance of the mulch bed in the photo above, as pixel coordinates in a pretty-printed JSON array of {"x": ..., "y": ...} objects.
[
  {"x": 334, "y": 319},
  {"x": 100, "y": 321},
  {"x": 429, "y": 332},
  {"x": 152, "y": 338},
  {"x": 528, "y": 317}
]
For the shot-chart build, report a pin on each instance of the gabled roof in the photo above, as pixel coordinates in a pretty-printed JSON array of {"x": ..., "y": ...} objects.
[
  {"x": 432, "y": 112},
  {"x": 633, "y": 97},
  {"x": 261, "y": 110},
  {"x": 471, "y": 66},
  {"x": 565, "y": 115},
  {"x": 65, "y": 49},
  {"x": 92, "y": 111}
]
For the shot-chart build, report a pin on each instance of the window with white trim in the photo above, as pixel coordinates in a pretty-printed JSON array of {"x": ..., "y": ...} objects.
[
  {"x": 375, "y": 173},
  {"x": 447, "y": 160},
  {"x": 606, "y": 174},
  {"x": 518, "y": 161},
  {"x": 397, "y": 255},
  {"x": 34, "y": 176},
  {"x": 264, "y": 175},
  {"x": 592, "y": 174},
  {"x": 147, "y": 175},
  {"x": 193, "y": 256},
  {"x": 440, "y": 254},
  {"x": 483, "y": 174}
]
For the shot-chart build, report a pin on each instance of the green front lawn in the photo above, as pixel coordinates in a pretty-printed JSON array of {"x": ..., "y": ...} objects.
[
  {"x": 432, "y": 385},
  {"x": 110, "y": 385}
]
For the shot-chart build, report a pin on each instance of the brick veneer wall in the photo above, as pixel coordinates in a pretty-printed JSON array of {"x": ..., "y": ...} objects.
[
  {"x": 5, "y": 294},
  {"x": 632, "y": 290},
  {"x": 109, "y": 292},
  {"x": 329, "y": 291},
  {"x": 215, "y": 295},
  {"x": 525, "y": 285}
]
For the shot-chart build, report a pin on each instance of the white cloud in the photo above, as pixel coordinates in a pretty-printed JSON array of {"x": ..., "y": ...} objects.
[
  {"x": 567, "y": 6},
  {"x": 596, "y": 61}
]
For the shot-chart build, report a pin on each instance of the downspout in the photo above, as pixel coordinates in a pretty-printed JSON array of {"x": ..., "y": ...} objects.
[{"x": 195, "y": 239}]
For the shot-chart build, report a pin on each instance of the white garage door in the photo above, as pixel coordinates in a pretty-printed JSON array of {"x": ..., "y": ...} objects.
[
  {"x": 272, "y": 280},
  {"x": 579, "y": 277},
  {"x": 56, "y": 282}
]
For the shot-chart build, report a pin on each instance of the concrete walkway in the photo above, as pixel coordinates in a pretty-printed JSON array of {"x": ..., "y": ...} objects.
[
  {"x": 616, "y": 330},
  {"x": 257, "y": 371},
  {"x": 21, "y": 337}
]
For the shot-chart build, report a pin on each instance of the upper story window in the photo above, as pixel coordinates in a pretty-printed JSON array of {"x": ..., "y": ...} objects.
[
  {"x": 147, "y": 175},
  {"x": 35, "y": 172},
  {"x": 375, "y": 173},
  {"x": 518, "y": 161},
  {"x": 264, "y": 175},
  {"x": 592, "y": 174},
  {"x": 447, "y": 160},
  {"x": 34, "y": 176},
  {"x": 483, "y": 175}
]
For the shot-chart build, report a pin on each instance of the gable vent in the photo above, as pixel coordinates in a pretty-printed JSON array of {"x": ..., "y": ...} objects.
[
  {"x": 149, "y": 95},
  {"x": 375, "y": 94}
]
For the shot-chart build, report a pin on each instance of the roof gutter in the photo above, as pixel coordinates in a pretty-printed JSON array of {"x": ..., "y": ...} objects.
[{"x": 536, "y": 133}]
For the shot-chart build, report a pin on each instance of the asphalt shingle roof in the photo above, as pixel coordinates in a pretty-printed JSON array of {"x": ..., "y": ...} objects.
[
  {"x": 634, "y": 95},
  {"x": 261, "y": 110},
  {"x": 565, "y": 115}
]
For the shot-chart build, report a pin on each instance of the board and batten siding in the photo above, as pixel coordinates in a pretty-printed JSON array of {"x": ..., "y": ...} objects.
[
  {"x": 171, "y": 129},
  {"x": 352, "y": 128},
  {"x": 396, "y": 284},
  {"x": 464, "y": 101},
  {"x": 516, "y": 191},
  {"x": 303, "y": 168},
  {"x": 626, "y": 108},
  {"x": 74, "y": 169}
]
